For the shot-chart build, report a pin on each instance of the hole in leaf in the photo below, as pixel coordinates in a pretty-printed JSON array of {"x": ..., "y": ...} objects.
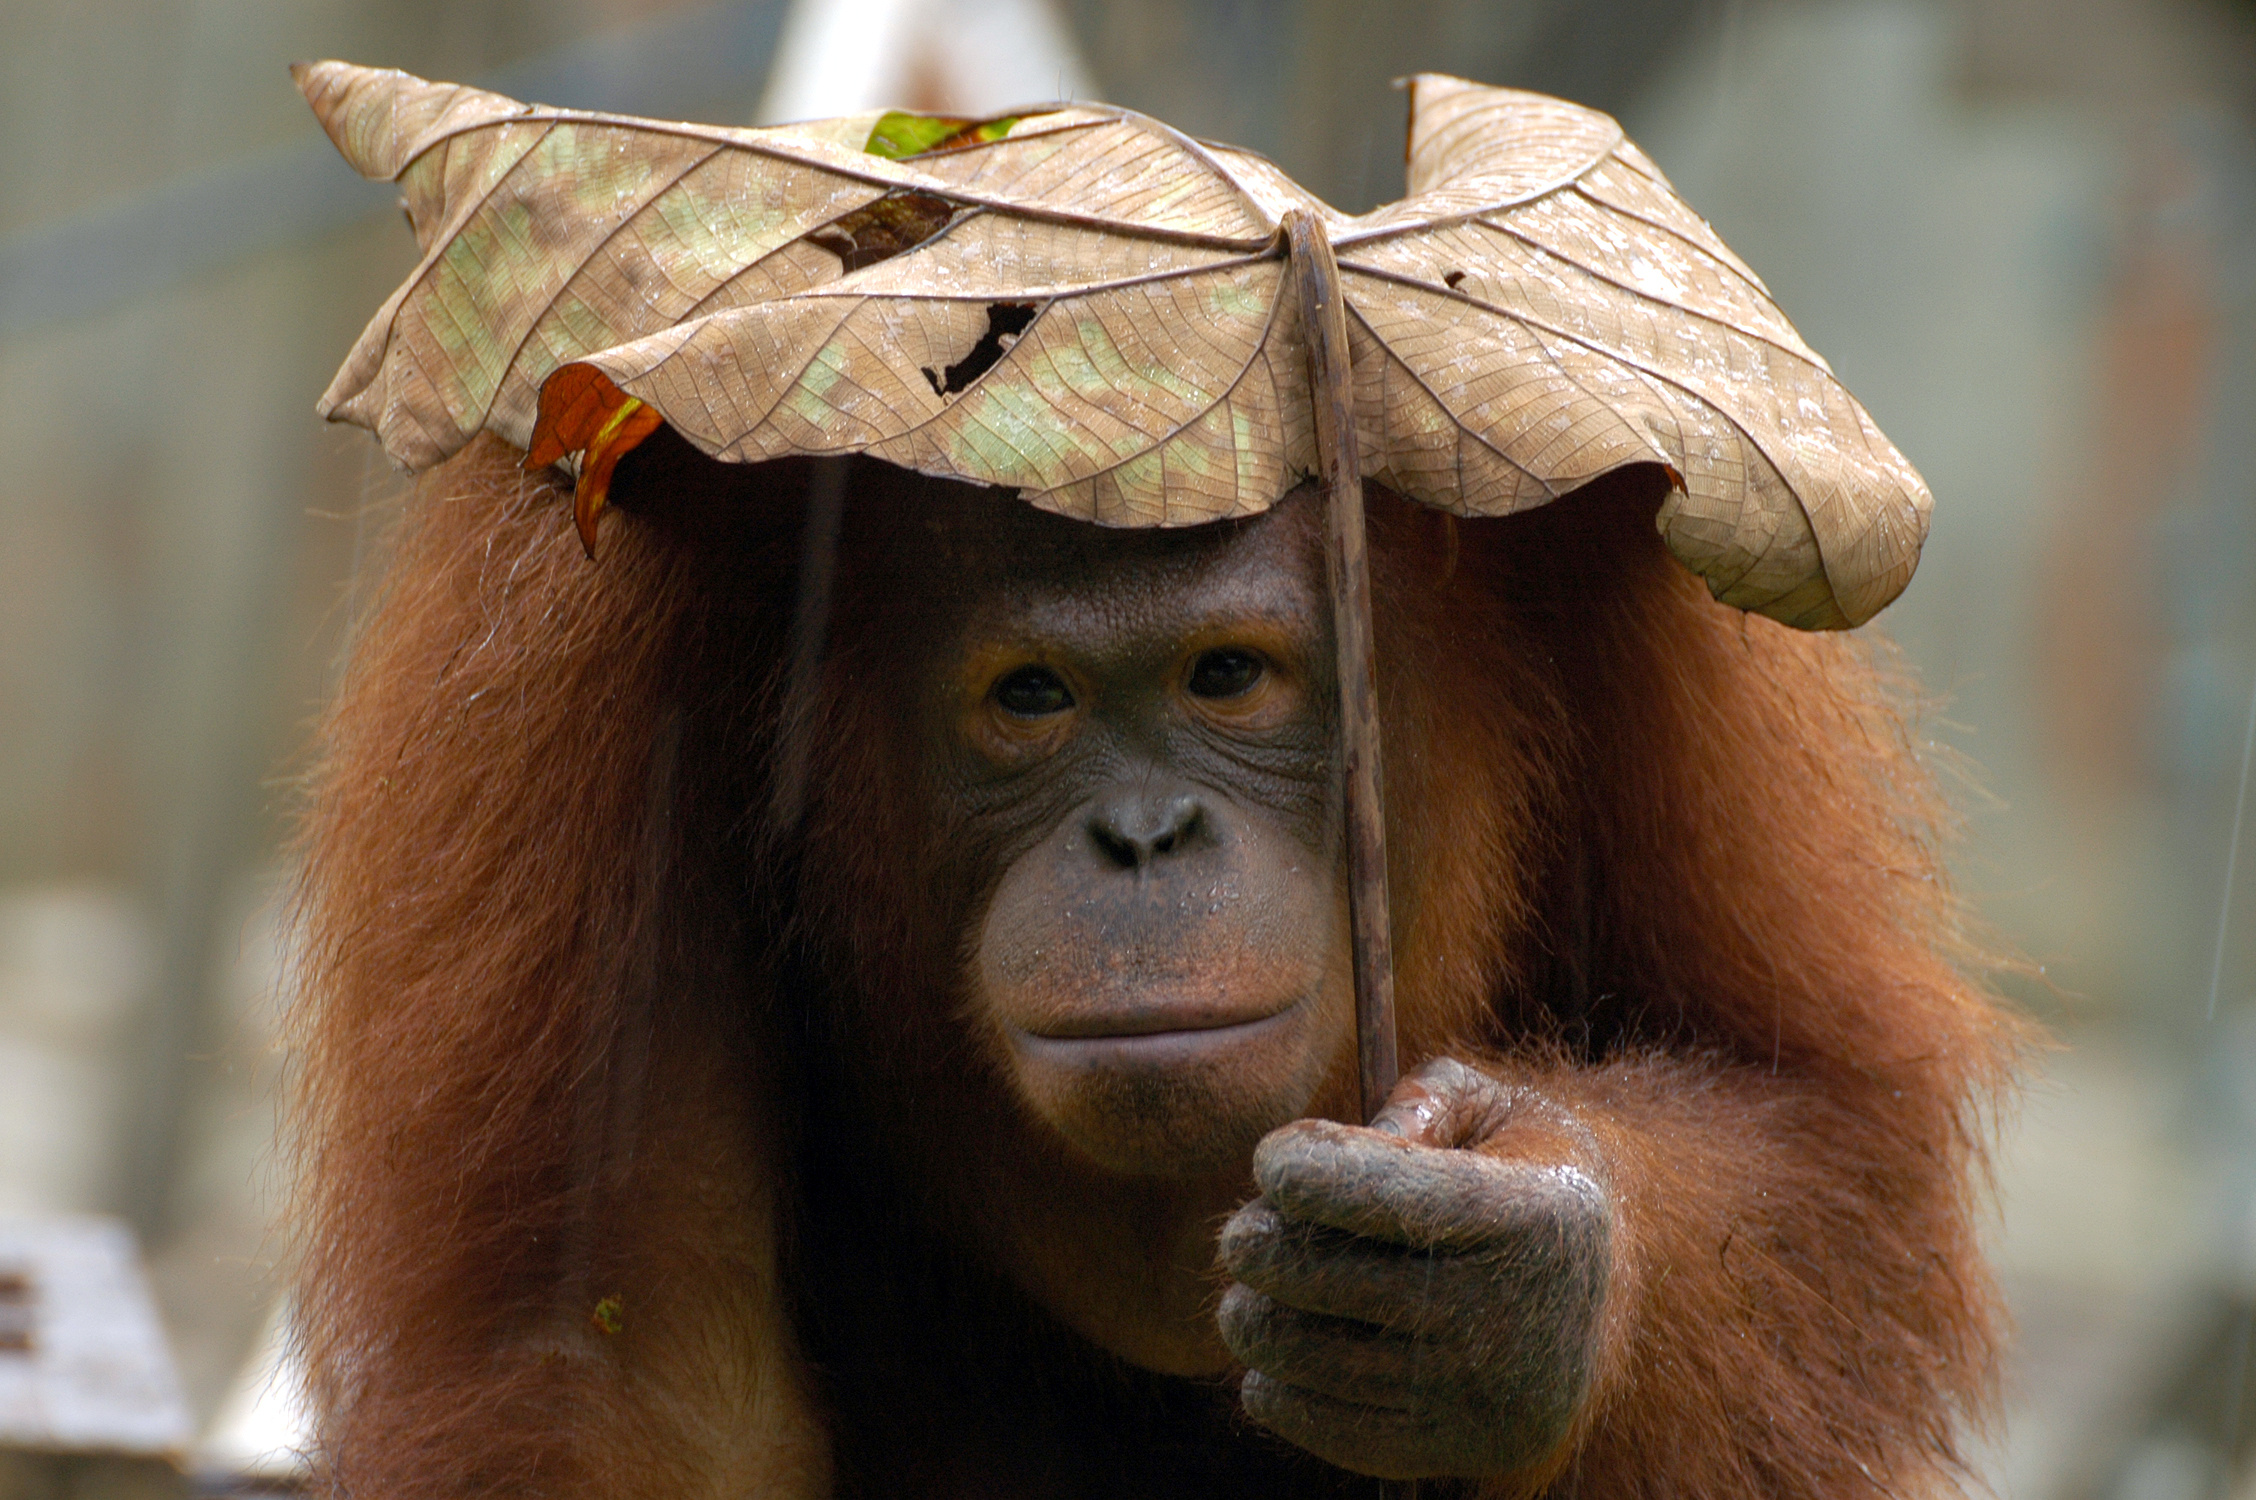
[
  {"x": 1451, "y": 278},
  {"x": 881, "y": 230},
  {"x": 1005, "y": 322}
]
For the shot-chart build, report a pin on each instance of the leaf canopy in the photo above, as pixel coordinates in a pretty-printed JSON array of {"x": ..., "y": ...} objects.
[{"x": 1083, "y": 304}]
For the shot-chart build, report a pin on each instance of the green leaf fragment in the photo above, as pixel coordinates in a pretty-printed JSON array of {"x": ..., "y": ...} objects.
[{"x": 899, "y": 133}]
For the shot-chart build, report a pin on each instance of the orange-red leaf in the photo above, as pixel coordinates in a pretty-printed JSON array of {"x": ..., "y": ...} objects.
[{"x": 582, "y": 412}]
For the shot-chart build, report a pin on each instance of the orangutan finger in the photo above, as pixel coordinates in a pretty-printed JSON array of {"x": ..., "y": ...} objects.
[
  {"x": 1328, "y": 1271},
  {"x": 1370, "y": 1183},
  {"x": 1385, "y": 1442}
]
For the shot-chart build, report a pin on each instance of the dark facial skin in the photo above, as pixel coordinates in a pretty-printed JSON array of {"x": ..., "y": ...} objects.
[
  {"x": 1147, "y": 747},
  {"x": 1137, "y": 763}
]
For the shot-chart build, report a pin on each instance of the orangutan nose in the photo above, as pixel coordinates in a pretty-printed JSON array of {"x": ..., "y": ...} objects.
[{"x": 1135, "y": 828}]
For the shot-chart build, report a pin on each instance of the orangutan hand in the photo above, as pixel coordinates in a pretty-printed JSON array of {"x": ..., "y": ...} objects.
[{"x": 1422, "y": 1298}]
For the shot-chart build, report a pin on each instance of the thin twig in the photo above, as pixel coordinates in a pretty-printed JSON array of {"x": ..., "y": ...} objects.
[{"x": 1332, "y": 392}]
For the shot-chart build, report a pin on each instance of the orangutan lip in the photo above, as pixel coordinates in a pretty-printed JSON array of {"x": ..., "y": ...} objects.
[
  {"x": 1158, "y": 1020},
  {"x": 1154, "y": 1047}
]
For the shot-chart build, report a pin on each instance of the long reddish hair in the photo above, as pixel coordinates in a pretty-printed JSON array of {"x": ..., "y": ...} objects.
[{"x": 541, "y": 1146}]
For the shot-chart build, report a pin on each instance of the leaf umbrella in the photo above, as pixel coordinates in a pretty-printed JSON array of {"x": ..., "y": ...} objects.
[{"x": 1127, "y": 326}]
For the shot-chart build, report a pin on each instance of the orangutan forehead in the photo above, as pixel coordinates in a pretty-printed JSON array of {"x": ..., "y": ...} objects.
[
  {"x": 1006, "y": 546},
  {"x": 1019, "y": 571},
  {"x": 1242, "y": 600}
]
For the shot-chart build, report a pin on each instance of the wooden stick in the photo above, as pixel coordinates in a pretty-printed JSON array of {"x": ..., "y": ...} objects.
[{"x": 1332, "y": 390}]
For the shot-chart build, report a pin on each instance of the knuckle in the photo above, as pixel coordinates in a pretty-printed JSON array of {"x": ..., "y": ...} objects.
[
  {"x": 1448, "y": 1102},
  {"x": 1252, "y": 1231},
  {"x": 1293, "y": 1412},
  {"x": 1316, "y": 1169},
  {"x": 1244, "y": 1317},
  {"x": 1272, "y": 1403},
  {"x": 1305, "y": 1148},
  {"x": 1450, "y": 1077},
  {"x": 1362, "y": 1440}
]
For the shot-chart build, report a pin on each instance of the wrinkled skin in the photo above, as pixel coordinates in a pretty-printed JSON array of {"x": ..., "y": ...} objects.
[
  {"x": 1136, "y": 783},
  {"x": 1139, "y": 740},
  {"x": 1415, "y": 1299}
]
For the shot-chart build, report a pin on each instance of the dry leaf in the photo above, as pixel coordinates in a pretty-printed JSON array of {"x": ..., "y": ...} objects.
[{"x": 1083, "y": 304}]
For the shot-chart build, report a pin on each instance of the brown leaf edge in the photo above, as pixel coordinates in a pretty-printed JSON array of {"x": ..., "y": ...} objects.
[{"x": 582, "y": 412}]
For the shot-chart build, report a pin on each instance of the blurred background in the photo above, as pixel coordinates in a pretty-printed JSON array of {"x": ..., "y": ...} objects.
[{"x": 2023, "y": 231}]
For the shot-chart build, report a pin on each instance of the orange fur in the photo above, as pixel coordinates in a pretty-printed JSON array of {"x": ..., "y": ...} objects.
[
  {"x": 1672, "y": 866},
  {"x": 1747, "y": 978},
  {"x": 505, "y": 940}
]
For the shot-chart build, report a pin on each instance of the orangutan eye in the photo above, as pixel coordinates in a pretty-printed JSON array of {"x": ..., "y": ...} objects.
[
  {"x": 1033, "y": 693},
  {"x": 1225, "y": 673}
]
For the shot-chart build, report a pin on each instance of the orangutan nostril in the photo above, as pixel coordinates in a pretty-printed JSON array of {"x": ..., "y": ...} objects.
[{"x": 1134, "y": 830}]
